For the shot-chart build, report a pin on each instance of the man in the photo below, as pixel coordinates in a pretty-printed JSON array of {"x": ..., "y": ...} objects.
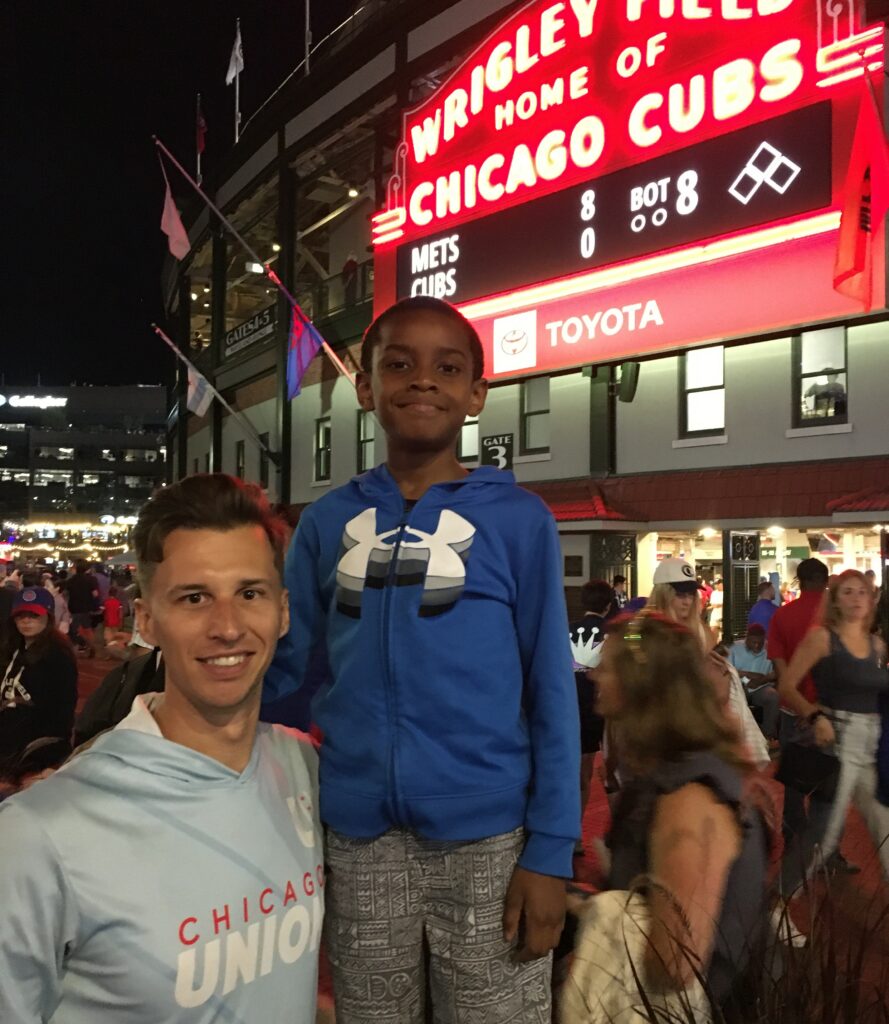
[
  {"x": 790, "y": 623},
  {"x": 762, "y": 611},
  {"x": 173, "y": 871},
  {"x": 621, "y": 597},
  {"x": 82, "y": 592},
  {"x": 758, "y": 676}
]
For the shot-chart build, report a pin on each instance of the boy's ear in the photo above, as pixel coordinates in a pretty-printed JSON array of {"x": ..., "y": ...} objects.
[
  {"x": 144, "y": 620},
  {"x": 364, "y": 391},
  {"x": 479, "y": 396}
]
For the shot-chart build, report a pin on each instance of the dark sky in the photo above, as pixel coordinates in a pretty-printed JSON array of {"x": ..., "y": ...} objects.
[{"x": 84, "y": 86}]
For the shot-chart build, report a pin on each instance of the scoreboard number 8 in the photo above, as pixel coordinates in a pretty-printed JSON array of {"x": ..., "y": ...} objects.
[{"x": 587, "y": 213}]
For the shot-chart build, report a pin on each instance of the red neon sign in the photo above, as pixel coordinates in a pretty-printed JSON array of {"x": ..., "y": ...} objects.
[{"x": 564, "y": 92}]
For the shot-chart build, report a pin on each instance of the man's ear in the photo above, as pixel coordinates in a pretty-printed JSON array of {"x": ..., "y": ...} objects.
[
  {"x": 479, "y": 396},
  {"x": 145, "y": 621},
  {"x": 285, "y": 614},
  {"x": 364, "y": 391}
]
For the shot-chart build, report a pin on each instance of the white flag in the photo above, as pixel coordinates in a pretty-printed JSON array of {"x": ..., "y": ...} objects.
[
  {"x": 200, "y": 397},
  {"x": 173, "y": 228},
  {"x": 236, "y": 64}
]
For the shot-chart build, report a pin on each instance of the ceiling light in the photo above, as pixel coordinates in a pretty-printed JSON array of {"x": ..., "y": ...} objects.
[
  {"x": 353, "y": 193},
  {"x": 254, "y": 268},
  {"x": 206, "y": 305},
  {"x": 194, "y": 296},
  {"x": 206, "y": 289},
  {"x": 708, "y": 532},
  {"x": 276, "y": 247},
  {"x": 773, "y": 531}
]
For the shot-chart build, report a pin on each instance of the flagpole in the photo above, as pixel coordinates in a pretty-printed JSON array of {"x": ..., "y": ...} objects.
[
  {"x": 197, "y": 140},
  {"x": 308, "y": 34},
  {"x": 245, "y": 423},
  {"x": 237, "y": 105},
  {"x": 270, "y": 274}
]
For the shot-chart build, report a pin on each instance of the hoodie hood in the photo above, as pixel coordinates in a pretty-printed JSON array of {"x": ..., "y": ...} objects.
[{"x": 137, "y": 754}]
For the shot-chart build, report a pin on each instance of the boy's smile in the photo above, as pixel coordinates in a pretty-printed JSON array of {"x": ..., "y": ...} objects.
[{"x": 422, "y": 385}]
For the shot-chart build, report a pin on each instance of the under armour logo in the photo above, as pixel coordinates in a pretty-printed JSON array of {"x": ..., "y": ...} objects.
[{"x": 435, "y": 560}]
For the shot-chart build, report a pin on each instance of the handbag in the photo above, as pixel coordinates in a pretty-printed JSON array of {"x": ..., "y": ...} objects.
[{"x": 809, "y": 771}]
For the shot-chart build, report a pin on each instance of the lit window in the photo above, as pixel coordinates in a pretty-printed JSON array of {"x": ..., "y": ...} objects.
[
  {"x": 703, "y": 391},
  {"x": 467, "y": 442},
  {"x": 367, "y": 432},
  {"x": 322, "y": 449},
  {"x": 534, "y": 415},
  {"x": 819, "y": 377}
]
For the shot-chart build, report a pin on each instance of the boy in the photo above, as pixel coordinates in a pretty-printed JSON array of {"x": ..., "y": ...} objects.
[
  {"x": 450, "y": 758},
  {"x": 172, "y": 871}
]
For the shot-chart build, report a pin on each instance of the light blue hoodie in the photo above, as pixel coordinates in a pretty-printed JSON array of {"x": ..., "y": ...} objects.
[{"x": 145, "y": 883}]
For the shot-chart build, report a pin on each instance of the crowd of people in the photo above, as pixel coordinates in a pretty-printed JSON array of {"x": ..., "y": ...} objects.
[{"x": 179, "y": 865}]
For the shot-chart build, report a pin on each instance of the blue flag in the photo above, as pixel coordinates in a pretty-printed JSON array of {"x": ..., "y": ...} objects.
[{"x": 304, "y": 344}]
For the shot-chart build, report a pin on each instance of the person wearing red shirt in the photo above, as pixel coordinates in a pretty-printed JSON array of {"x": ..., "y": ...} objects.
[{"x": 802, "y": 828}]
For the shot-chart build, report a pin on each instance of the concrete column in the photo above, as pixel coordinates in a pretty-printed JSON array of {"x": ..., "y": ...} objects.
[{"x": 646, "y": 561}]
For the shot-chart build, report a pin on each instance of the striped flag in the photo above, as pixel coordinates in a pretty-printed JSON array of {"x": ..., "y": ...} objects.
[
  {"x": 200, "y": 397},
  {"x": 305, "y": 341}
]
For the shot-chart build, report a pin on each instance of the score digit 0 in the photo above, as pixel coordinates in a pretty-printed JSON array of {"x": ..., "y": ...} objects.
[
  {"x": 588, "y": 235},
  {"x": 656, "y": 194}
]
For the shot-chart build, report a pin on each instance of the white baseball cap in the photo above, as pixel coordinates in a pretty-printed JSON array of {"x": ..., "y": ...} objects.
[{"x": 679, "y": 574}]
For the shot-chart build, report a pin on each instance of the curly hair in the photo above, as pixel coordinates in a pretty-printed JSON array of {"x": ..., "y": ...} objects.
[{"x": 832, "y": 616}]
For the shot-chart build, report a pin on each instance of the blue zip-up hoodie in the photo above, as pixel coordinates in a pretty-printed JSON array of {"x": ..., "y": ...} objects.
[{"x": 451, "y": 708}]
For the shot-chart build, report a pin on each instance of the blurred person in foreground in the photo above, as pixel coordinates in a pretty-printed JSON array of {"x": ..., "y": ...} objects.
[
  {"x": 172, "y": 871},
  {"x": 686, "y": 894}
]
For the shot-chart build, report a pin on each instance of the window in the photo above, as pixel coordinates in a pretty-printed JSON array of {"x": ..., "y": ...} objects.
[
  {"x": 819, "y": 377},
  {"x": 264, "y": 462},
  {"x": 107, "y": 455},
  {"x": 240, "y": 460},
  {"x": 367, "y": 432},
  {"x": 322, "y": 449},
  {"x": 195, "y": 469},
  {"x": 534, "y": 415},
  {"x": 703, "y": 392},
  {"x": 207, "y": 462},
  {"x": 467, "y": 442}
]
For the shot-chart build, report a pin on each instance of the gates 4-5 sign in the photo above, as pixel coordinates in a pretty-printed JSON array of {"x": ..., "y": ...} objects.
[{"x": 497, "y": 451}]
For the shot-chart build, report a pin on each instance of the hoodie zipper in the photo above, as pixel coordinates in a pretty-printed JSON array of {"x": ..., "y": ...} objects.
[{"x": 391, "y": 695}]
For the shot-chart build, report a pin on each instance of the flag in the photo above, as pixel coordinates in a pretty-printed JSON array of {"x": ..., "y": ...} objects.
[
  {"x": 304, "y": 344},
  {"x": 236, "y": 63},
  {"x": 200, "y": 397},
  {"x": 172, "y": 226},
  {"x": 865, "y": 203},
  {"x": 200, "y": 129}
]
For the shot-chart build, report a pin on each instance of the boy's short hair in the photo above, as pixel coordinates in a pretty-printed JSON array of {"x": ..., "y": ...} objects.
[
  {"x": 619, "y": 579},
  {"x": 423, "y": 304},
  {"x": 596, "y": 596},
  {"x": 208, "y": 501}
]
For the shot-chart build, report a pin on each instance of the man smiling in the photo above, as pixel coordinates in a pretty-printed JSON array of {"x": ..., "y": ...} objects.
[{"x": 173, "y": 870}]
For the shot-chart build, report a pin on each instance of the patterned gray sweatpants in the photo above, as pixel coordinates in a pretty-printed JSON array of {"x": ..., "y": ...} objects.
[{"x": 392, "y": 900}]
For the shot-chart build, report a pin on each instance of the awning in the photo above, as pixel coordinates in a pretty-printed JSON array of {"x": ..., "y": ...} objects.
[{"x": 770, "y": 493}]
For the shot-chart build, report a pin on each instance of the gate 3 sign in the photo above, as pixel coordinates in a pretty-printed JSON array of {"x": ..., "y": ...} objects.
[
  {"x": 586, "y": 148},
  {"x": 497, "y": 451}
]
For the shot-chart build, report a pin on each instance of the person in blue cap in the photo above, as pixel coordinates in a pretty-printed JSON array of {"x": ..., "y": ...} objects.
[{"x": 38, "y": 687}]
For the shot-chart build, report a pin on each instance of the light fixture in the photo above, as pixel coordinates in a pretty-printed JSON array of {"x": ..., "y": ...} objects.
[
  {"x": 276, "y": 247},
  {"x": 353, "y": 193},
  {"x": 774, "y": 531},
  {"x": 194, "y": 296},
  {"x": 206, "y": 305},
  {"x": 206, "y": 289},
  {"x": 708, "y": 533}
]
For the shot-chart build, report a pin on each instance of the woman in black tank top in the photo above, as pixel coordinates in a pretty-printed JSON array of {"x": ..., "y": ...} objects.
[
  {"x": 681, "y": 825},
  {"x": 848, "y": 666}
]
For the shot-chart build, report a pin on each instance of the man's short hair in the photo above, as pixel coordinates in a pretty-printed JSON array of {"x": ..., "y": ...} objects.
[
  {"x": 208, "y": 501},
  {"x": 811, "y": 573},
  {"x": 596, "y": 596},
  {"x": 423, "y": 304},
  {"x": 619, "y": 579},
  {"x": 764, "y": 586}
]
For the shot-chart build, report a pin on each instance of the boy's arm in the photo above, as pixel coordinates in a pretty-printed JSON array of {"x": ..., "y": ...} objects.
[
  {"x": 553, "y": 816},
  {"x": 287, "y": 671},
  {"x": 37, "y": 923}
]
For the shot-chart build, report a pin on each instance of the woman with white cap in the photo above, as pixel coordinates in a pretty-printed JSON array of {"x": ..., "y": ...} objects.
[
  {"x": 38, "y": 686},
  {"x": 676, "y": 594}
]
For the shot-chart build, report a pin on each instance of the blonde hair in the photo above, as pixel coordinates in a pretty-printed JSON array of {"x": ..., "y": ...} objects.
[
  {"x": 670, "y": 707},
  {"x": 832, "y": 617},
  {"x": 660, "y": 600}
]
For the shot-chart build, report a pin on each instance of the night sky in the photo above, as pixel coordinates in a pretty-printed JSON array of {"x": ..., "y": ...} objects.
[{"x": 84, "y": 87}]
